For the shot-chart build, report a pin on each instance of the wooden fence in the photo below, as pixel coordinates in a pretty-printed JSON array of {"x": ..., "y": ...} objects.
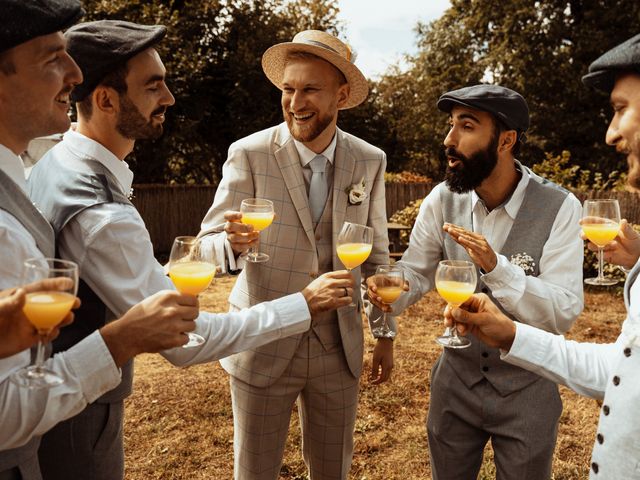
[{"x": 172, "y": 210}]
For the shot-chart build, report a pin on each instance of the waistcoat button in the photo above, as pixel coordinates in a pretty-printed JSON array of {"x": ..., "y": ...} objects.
[
  {"x": 485, "y": 354},
  {"x": 606, "y": 409},
  {"x": 616, "y": 380},
  {"x": 627, "y": 352},
  {"x": 594, "y": 466},
  {"x": 485, "y": 369},
  {"x": 600, "y": 438}
]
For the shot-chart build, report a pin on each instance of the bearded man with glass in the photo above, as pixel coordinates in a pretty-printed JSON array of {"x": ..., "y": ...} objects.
[{"x": 523, "y": 235}]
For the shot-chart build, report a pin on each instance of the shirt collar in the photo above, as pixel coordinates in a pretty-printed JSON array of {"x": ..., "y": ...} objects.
[
  {"x": 514, "y": 202},
  {"x": 12, "y": 165},
  {"x": 306, "y": 154},
  {"x": 85, "y": 146}
]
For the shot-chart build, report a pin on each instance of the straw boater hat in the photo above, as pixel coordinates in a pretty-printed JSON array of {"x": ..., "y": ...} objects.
[{"x": 325, "y": 46}]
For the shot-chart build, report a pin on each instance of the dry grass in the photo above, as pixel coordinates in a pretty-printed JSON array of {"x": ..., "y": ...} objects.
[{"x": 179, "y": 421}]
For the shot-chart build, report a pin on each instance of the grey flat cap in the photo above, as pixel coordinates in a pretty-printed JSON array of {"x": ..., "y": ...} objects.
[
  {"x": 25, "y": 20},
  {"x": 503, "y": 103},
  {"x": 603, "y": 71},
  {"x": 100, "y": 47}
]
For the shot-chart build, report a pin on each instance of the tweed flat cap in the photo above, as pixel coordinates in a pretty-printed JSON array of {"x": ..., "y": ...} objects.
[
  {"x": 603, "y": 71},
  {"x": 100, "y": 47},
  {"x": 505, "y": 104},
  {"x": 25, "y": 20}
]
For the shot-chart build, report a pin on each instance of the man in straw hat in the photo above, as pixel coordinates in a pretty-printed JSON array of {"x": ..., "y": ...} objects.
[
  {"x": 123, "y": 98},
  {"x": 522, "y": 234},
  {"x": 317, "y": 177},
  {"x": 607, "y": 372}
]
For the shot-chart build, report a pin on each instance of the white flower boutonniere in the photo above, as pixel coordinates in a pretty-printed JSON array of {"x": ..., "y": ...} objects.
[
  {"x": 357, "y": 193},
  {"x": 130, "y": 195},
  {"x": 524, "y": 261}
]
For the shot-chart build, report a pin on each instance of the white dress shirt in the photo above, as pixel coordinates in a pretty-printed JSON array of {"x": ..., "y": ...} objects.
[
  {"x": 26, "y": 413},
  {"x": 219, "y": 243},
  {"x": 550, "y": 301},
  {"x": 112, "y": 247}
]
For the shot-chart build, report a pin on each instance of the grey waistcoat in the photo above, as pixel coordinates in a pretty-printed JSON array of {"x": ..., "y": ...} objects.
[
  {"x": 14, "y": 201},
  {"x": 63, "y": 184},
  {"x": 529, "y": 233}
]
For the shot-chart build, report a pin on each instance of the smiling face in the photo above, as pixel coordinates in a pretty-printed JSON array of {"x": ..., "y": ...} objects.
[
  {"x": 312, "y": 94},
  {"x": 143, "y": 106},
  {"x": 34, "y": 90},
  {"x": 471, "y": 149},
  {"x": 624, "y": 129}
]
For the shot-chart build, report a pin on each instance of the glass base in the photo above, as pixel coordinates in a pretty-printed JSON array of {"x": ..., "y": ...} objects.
[
  {"x": 195, "y": 340},
  {"x": 602, "y": 282},
  {"x": 449, "y": 341},
  {"x": 34, "y": 377},
  {"x": 257, "y": 257}
]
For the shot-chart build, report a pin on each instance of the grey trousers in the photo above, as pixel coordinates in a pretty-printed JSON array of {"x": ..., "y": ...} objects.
[
  {"x": 88, "y": 446},
  {"x": 522, "y": 426}
]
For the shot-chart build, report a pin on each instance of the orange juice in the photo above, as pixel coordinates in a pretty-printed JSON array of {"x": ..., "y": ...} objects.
[
  {"x": 601, "y": 233},
  {"x": 389, "y": 294},
  {"x": 353, "y": 254},
  {"x": 191, "y": 278},
  {"x": 45, "y": 310},
  {"x": 259, "y": 220},
  {"x": 455, "y": 293}
]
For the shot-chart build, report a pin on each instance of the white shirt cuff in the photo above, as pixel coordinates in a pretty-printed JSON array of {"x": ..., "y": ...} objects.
[
  {"x": 96, "y": 371},
  {"x": 294, "y": 314},
  {"x": 501, "y": 276}
]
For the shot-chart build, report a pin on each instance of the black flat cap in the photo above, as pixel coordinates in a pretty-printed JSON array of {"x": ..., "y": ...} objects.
[
  {"x": 25, "y": 20},
  {"x": 100, "y": 47},
  {"x": 503, "y": 103},
  {"x": 603, "y": 71}
]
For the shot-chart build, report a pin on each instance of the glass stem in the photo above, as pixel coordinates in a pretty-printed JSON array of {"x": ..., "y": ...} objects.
[
  {"x": 600, "y": 263},
  {"x": 39, "y": 355},
  {"x": 453, "y": 330}
]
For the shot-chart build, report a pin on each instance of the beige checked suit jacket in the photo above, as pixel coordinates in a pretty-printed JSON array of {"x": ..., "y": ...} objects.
[{"x": 266, "y": 165}]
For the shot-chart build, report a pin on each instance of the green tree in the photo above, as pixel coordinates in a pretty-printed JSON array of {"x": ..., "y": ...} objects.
[
  {"x": 539, "y": 48},
  {"x": 212, "y": 53}
]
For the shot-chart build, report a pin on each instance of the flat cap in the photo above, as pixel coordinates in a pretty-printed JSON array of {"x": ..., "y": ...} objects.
[
  {"x": 100, "y": 47},
  {"x": 25, "y": 20},
  {"x": 603, "y": 71},
  {"x": 505, "y": 104}
]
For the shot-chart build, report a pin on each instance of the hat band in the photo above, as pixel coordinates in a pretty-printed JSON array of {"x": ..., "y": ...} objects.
[{"x": 321, "y": 45}]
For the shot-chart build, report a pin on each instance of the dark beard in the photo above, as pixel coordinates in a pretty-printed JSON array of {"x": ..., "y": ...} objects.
[
  {"x": 474, "y": 169},
  {"x": 131, "y": 123}
]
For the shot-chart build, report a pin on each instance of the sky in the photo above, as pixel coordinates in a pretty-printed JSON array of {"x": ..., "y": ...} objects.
[{"x": 381, "y": 31}]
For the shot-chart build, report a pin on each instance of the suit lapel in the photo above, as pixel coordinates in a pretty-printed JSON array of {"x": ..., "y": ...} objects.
[
  {"x": 344, "y": 165},
  {"x": 289, "y": 164}
]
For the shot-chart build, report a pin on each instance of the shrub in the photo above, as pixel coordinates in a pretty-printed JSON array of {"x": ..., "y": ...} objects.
[
  {"x": 407, "y": 216},
  {"x": 405, "y": 177}
]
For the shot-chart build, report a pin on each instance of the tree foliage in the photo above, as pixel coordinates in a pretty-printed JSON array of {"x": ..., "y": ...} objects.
[
  {"x": 212, "y": 53},
  {"x": 540, "y": 48}
]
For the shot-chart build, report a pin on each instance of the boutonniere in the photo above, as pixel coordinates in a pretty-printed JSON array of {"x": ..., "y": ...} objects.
[
  {"x": 356, "y": 193},
  {"x": 131, "y": 196},
  {"x": 524, "y": 261}
]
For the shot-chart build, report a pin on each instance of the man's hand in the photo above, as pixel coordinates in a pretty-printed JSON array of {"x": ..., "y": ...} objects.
[
  {"x": 480, "y": 316},
  {"x": 241, "y": 236},
  {"x": 16, "y": 331},
  {"x": 382, "y": 361},
  {"x": 624, "y": 250},
  {"x": 157, "y": 323},
  {"x": 476, "y": 246},
  {"x": 329, "y": 291},
  {"x": 375, "y": 281}
]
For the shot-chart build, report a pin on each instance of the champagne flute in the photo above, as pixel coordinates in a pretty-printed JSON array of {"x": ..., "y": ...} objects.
[
  {"x": 600, "y": 224},
  {"x": 354, "y": 246},
  {"x": 389, "y": 281},
  {"x": 191, "y": 271},
  {"x": 455, "y": 282},
  {"x": 45, "y": 310},
  {"x": 258, "y": 213}
]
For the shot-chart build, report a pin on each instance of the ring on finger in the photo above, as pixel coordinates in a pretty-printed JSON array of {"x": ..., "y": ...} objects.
[{"x": 346, "y": 292}]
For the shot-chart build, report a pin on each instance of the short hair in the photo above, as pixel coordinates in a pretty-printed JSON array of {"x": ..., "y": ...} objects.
[
  {"x": 302, "y": 55},
  {"x": 116, "y": 79},
  {"x": 7, "y": 67},
  {"x": 500, "y": 126}
]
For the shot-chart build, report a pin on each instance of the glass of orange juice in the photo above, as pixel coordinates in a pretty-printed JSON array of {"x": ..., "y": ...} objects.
[
  {"x": 45, "y": 309},
  {"x": 389, "y": 281},
  {"x": 600, "y": 224},
  {"x": 455, "y": 282},
  {"x": 354, "y": 245},
  {"x": 258, "y": 213},
  {"x": 191, "y": 270}
]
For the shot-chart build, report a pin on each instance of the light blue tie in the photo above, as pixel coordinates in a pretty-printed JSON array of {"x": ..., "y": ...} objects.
[{"x": 317, "y": 187}]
